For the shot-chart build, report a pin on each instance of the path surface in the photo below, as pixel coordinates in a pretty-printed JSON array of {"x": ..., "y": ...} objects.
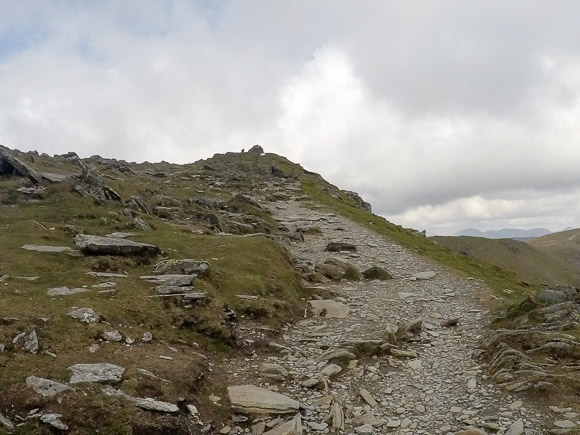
[{"x": 442, "y": 391}]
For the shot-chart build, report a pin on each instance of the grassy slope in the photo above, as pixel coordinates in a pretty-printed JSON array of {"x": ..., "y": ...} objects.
[
  {"x": 529, "y": 263},
  {"x": 494, "y": 276},
  {"x": 239, "y": 265},
  {"x": 564, "y": 246}
]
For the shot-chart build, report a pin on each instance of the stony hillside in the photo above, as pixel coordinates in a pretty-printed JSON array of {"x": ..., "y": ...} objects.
[{"x": 244, "y": 294}]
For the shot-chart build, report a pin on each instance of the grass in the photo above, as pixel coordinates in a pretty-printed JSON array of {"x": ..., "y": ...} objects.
[{"x": 238, "y": 265}]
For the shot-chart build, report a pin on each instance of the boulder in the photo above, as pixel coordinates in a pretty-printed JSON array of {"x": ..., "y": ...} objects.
[
  {"x": 340, "y": 246},
  {"x": 376, "y": 272},
  {"x": 85, "y": 315},
  {"x": 256, "y": 149},
  {"x": 46, "y": 387},
  {"x": 329, "y": 308},
  {"x": 359, "y": 201},
  {"x": 65, "y": 291},
  {"x": 102, "y": 372},
  {"x": 551, "y": 296},
  {"x": 97, "y": 245},
  {"x": 144, "y": 403},
  {"x": 249, "y": 399},
  {"x": 330, "y": 271}
]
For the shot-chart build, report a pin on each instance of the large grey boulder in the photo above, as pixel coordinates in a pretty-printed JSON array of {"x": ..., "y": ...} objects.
[
  {"x": 102, "y": 372},
  {"x": 256, "y": 149},
  {"x": 97, "y": 245},
  {"x": 249, "y": 399},
  {"x": 46, "y": 387}
]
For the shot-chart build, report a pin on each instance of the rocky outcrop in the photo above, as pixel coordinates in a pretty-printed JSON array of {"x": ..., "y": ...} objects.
[
  {"x": 97, "y": 245},
  {"x": 358, "y": 200},
  {"x": 9, "y": 163}
]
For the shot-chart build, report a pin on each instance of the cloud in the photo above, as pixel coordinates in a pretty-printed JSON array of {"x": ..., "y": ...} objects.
[{"x": 440, "y": 114}]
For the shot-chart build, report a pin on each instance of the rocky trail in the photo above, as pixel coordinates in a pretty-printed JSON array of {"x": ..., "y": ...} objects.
[{"x": 394, "y": 356}]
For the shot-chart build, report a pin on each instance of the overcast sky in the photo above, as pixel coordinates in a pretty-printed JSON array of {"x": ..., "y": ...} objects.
[{"x": 443, "y": 114}]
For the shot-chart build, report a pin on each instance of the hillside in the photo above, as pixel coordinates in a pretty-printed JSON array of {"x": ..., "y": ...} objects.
[
  {"x": 505, "y": 233},
  {"x": 132, "y": 295},
  {"x": 527, "y": 261},
  {"x": 564, "y": 245}
]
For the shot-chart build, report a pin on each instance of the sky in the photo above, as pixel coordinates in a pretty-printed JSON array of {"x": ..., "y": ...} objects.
[{"x": 443, "y": 115}]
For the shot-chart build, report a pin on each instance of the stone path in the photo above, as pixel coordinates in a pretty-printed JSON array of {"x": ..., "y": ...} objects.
[{"x": 432, "y": 383}]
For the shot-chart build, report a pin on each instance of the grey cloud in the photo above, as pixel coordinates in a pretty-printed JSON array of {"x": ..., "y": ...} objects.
[{"x": 421, "y": 106}]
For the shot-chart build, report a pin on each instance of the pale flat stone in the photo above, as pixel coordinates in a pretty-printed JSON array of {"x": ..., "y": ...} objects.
[
  {"x": 103, "y": 372},
  {"x": 516, "y": 428},
  {"x": 65, "y": 291},
  {"x": 6, "y": 423},
  {"x": 425, "y": 275},
  {"x": 249, "y": 399},
  {"x": 46, "y": 248},
  {"x": 331, "y": 370},
  {"x": 54, "y": 421},
  {"x": 330, "y": 309},
  {"x": 415, "y": 364},
  {"x": 145, "y": 403},
  {"x": 367, "y": 397},
  {"x": 46, "y": 387}
]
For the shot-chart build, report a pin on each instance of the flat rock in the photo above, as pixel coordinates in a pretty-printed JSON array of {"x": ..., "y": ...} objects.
[
  {"x": 329, "y": 308},
  {"x": 85, "y": 315},
  {"x": 46, "y": 387},
  {"x": 367, "y": 397},
  {"x": 173, "y": 279},
  {"x": 186, "y": 266},
  {"x": 331, "y": 370},
  {"x": 471, "y": 432},
  {"x": 54, "y": 421},
  {"x": 103, "y": 372},
  {"x": 65, "y": 291},
  {"x": 249, "y": 399},
  {"x": 97, "y": 245},
  {"x": 46, "y": 248},
  {"x": 425, "y": 275}
]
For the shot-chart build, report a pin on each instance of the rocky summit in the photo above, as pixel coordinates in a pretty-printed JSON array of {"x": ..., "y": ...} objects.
[{"x": 243, "y": 294}]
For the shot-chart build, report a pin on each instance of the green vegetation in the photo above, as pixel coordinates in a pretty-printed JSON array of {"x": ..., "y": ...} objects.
[{"x": 529, "y": 263}]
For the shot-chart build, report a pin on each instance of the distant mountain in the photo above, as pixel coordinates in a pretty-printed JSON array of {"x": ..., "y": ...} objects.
[{"x": 504, "y": 233}]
